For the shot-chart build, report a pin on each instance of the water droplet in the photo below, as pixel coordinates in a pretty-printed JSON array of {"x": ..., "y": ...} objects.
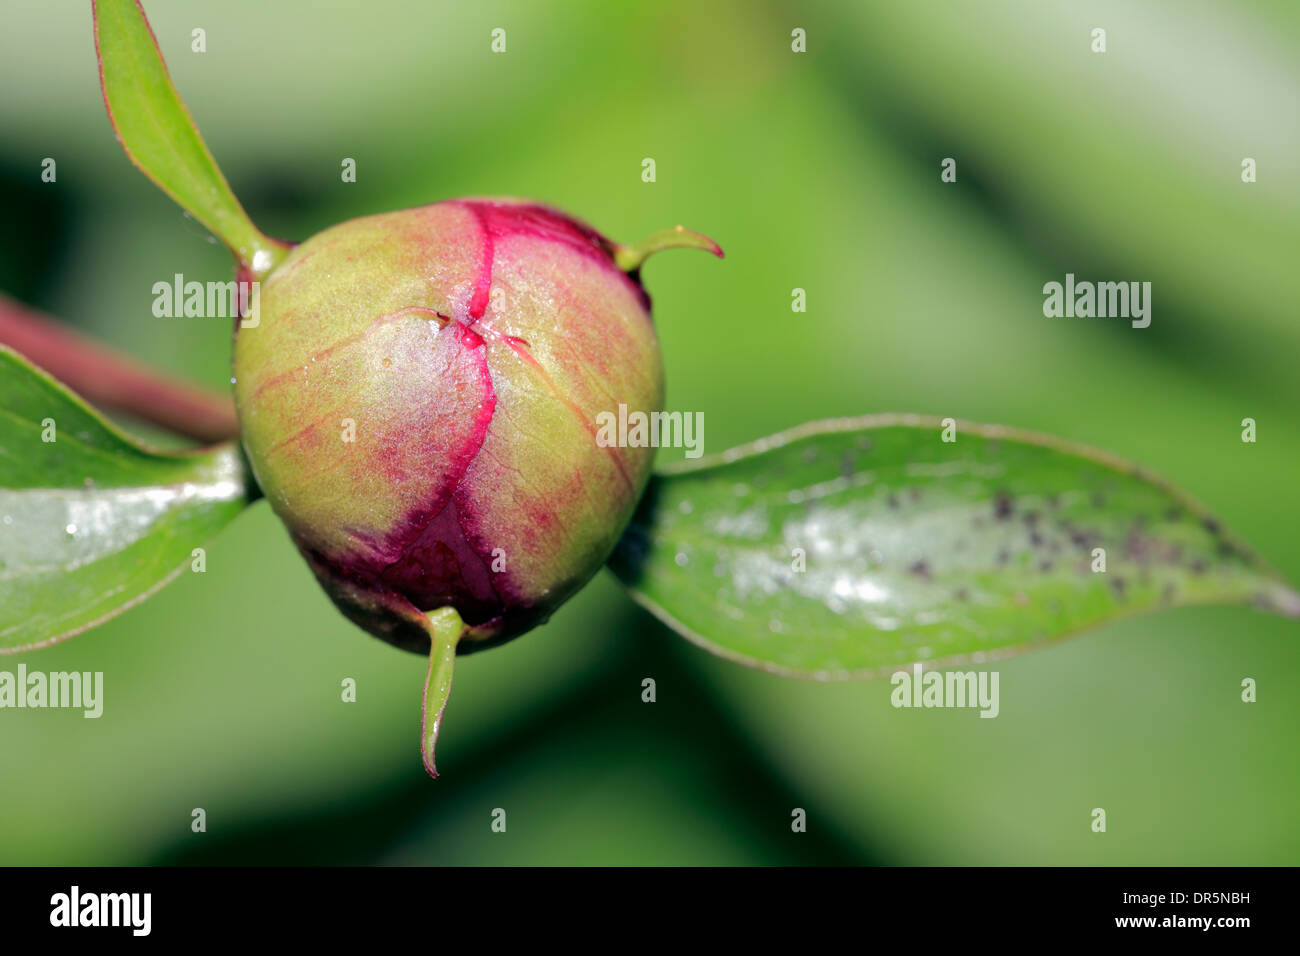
[
  {"x": 685, "y": 507},
  {"x": 71, "y": 529},
  {"x": 8, "y": 519},
  {"x": 388, "y": 363},
  {"x": 681, "y": 559},
  {"x": 774, "y": 625}
]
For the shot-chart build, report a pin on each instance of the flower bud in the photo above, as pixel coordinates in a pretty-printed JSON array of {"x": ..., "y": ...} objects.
[{"x": 418, "y": 394}]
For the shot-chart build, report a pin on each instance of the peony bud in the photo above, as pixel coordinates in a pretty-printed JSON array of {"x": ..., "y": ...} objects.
[{"x": 418, "y": 394}]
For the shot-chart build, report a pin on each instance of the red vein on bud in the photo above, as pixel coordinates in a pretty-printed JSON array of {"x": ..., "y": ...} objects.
[{"x": 520, "y": 348}]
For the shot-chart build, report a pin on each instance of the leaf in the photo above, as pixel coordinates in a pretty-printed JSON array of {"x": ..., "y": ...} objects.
[
  {"x": 916, "y": 549},
  {"x": 92, "y": 522},
  {"x": 160, "y": 137}
]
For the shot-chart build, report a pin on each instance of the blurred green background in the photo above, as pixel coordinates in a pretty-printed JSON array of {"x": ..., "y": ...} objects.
[{"x": 816, "y": 170}]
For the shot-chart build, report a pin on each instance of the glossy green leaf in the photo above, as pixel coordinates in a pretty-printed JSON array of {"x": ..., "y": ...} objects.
[
  {"x": 850, "y": 548},
  {"x": 92, "y": 522},
  {"x": 160, "y": 137}
]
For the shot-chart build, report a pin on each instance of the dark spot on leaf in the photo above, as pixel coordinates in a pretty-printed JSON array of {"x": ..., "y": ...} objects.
[
  {"x": 1003, "y": 556},
  {"x": 1035, "y": 539},
  {"x": 1045, "y": 565},
  {"x": 1173, "y": 514},
  {"x": 847, "y": 466},
  {"x": 892, "y": 501},
  {"x": 1211, "y": 525},
  {"x": 1098, "y": 500},
  {"x": 921, "y": 569},
  {"x": 1031, "y": 518},
  {"x": 961, "y": 594},
  {"x": 1137, "y": 547},
  {"x": 1118, "y": 585},
  {"x": 1002, "y": 506},
  {"x": 914, "y": 494},
  {"x": 1198, "y": 566}
]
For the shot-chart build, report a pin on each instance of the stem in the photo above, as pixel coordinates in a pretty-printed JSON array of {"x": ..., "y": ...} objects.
[
  {"x": 445, "y": 631},
  {"x": 111, "y": 380}
]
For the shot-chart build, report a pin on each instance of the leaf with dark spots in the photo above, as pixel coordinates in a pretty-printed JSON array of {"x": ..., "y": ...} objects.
[{"x": 913, "y": 556}]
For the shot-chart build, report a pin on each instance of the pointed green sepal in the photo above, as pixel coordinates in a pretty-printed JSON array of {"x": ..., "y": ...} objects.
[
  {"x": 630, "y": 258},
  {"x": 445, "y": 631}
]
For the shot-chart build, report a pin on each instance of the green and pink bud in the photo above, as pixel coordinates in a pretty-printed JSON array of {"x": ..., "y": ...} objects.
[{"x": 418, "y": 395}]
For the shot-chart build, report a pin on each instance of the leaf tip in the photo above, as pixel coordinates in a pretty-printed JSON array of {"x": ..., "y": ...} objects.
[{"x": 1281, "y": 599}]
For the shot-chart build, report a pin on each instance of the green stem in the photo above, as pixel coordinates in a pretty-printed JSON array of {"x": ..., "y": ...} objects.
[{"x": 445, "y": 631}]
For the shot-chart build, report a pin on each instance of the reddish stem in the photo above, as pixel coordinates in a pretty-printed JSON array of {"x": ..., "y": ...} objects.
[{"x": 107, "y": 378}]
